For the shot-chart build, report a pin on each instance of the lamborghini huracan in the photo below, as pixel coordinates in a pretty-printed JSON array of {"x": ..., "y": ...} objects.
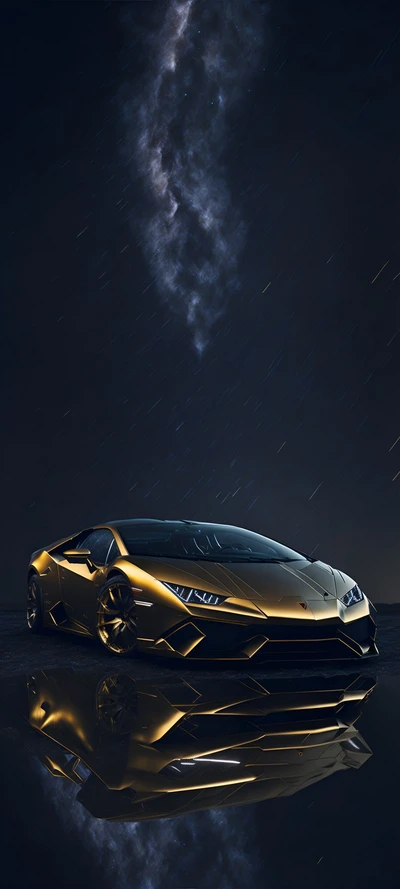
[{"x": 197, "y": 590}]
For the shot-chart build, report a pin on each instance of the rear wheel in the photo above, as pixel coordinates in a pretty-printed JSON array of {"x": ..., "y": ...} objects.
[
  {"x": 34, "y": 605},
  {"x": 116, "y": 617}
]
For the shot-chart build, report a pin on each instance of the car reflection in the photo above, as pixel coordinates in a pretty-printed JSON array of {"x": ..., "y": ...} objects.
[{"x": 137, "y": 750}]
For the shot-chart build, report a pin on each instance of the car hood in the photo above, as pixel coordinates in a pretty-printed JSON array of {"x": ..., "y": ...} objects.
[{"x": 256, "y": 581}]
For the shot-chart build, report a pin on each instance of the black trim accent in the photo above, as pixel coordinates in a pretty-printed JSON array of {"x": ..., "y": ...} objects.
[{"x": 285, "y": 639}]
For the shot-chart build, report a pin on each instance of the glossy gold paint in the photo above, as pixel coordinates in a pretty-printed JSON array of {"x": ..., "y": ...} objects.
[{"x": 259, "y": 597}]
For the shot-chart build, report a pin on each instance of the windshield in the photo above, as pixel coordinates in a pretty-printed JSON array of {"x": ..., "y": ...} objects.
[{"x": 202, "y": 541}]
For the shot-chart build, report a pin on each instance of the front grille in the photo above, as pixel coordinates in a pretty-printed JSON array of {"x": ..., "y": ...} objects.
[{"x": 285, "y": 639}]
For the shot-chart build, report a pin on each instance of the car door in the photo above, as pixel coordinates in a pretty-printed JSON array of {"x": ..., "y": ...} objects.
[
  {"x": 82, "y": 578},
  {"x": 46, "y": 564}
]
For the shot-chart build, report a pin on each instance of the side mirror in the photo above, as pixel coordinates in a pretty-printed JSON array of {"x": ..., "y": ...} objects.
[{"x": 76, "y": 555}]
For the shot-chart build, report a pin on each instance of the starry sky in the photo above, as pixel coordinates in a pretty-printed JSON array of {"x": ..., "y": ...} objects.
[{"x": 201, "y": 272}]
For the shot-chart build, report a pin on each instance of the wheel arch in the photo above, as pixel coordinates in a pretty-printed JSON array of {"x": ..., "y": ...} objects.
[
  {"x": 32, "y": 571},
  {"x": 115, "y": 573}
]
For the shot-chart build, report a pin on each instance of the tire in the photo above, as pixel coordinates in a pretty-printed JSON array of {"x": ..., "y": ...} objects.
[
  {"x": 116, "y": 617},
  {"x": 34, "y": 605}
]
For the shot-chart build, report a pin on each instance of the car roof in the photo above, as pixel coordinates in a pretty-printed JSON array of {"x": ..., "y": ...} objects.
[
  {"x": 115, "y": 522},
  {"x": 151, "y": 521}
]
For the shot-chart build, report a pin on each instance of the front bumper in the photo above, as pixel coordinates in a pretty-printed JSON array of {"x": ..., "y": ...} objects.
[{"x": 278, "y": 639}]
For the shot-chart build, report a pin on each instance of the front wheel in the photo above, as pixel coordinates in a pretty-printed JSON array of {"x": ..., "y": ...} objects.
[
  {"x": 116, "y": 617},
  {"x": 34, "y": 605}
]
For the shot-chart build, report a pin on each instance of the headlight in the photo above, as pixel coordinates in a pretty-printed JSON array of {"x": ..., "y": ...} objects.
[
  {"x": 194, "y": 597},
  {"x": 354, "y": 595}
]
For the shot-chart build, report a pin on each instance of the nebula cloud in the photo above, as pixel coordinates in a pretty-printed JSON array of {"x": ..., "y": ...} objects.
[
  {"x": 188, "y": 852},
  {"x": 201, "y": 61}
]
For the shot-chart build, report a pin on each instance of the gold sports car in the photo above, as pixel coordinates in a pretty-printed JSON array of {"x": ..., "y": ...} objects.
[{"x": 197, "y": 590}]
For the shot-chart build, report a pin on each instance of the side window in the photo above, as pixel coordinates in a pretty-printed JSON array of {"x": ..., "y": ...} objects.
[
  {"x": 113, "y": 552},
  {"x": 99, "y": 543},
  {"x": 80, "y": 542}
]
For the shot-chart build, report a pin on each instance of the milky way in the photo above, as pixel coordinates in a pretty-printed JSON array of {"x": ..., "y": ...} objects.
[{"x": 202, "y": 59}]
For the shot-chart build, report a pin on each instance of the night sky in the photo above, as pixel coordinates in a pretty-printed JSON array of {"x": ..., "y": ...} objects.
[{"x": 200, "y": 310}]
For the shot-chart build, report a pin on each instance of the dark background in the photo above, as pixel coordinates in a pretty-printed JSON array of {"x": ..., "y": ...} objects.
[{"x": 107, "y": 410}]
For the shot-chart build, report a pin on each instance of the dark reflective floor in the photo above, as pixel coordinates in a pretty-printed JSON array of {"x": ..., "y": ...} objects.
[{"x": 110, "y": 780}]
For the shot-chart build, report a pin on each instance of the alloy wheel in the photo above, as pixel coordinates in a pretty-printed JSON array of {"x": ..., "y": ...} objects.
[
  {"x": 33, "y": 607},
  {"x": 116, "y": 619}
]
